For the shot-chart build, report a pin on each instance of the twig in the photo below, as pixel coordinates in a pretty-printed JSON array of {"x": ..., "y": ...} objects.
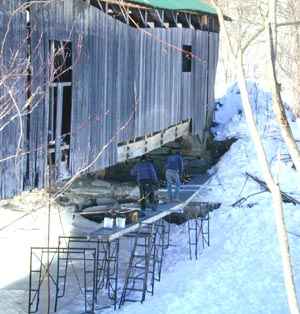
[
  {"x": 294, "y": 234},
  {"x": 244, "y": 199},
  {"x": 285, "y": 197}
]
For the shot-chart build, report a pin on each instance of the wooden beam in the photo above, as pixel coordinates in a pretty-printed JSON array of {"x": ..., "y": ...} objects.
[
  {"x": 158, "y": 17},
  {"x": 97, "y": 4},
  {"x": 125, "y": 14},
  {"x": 118, "y": 13},
  {"x": 56, "y": 84},
  {"x": 142, "y": 15},
  {"x": 171, "y": 18},
  {"x": 165, "y": 210},
  {"x": 126, "y": 4},
  {"x": 204, "y": 22},
  {"x": 151, "y": 142},
  {"x": 183, "y": 19},
  {"x": 59, "y": 110},
  {"x": 188, "y": 18},
  {"x": 196, "y": 21}
]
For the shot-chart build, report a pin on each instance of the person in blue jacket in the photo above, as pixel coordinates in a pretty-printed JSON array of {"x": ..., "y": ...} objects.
[
  {"x": 174, "y": 171},
  {"x": 147, "y": 181}
]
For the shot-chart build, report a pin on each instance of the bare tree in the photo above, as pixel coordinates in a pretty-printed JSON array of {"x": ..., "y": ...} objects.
[
  {"x": 278, "y": 106},
  {"x": 284, "y": 62},
  {"x": 288, "y": 62},
  {"x": 237, "y": 62}
]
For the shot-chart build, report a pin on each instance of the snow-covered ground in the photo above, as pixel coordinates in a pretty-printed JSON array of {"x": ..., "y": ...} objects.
[{"x": 241, "y": 271}]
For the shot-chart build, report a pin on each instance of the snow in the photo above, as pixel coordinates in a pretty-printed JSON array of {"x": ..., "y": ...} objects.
[{"x": 241, "y": 271}]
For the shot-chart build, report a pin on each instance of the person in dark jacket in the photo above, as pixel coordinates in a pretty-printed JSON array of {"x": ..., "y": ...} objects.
[
  {"x": 174, "y": 171},
  {"x": 147, "y": 180}
]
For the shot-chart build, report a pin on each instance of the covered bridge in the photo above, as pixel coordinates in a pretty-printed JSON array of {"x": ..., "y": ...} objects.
[{"x": 83, "y": 80}]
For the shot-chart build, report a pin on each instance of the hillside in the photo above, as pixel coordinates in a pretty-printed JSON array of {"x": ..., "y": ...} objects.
[{"x": 241, "y": 271}]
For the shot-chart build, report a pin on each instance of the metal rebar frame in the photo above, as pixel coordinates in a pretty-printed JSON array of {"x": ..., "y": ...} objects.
[
  {"x": 166, "y": 234},
  {"x": 163, "y": 236},
  {"x": 107, "y": 263},
  {"x": 141, "y": 265},
  {"x": 155, "y": 242},
  {"x": 72, "y": 243},
  {"x": 198, "y": 227},
  {"x": 113, "y": 270},
  {"x": 36, "y": 278},
  {"x": 66, "y": 256},
  {"x": 62, "y": 256},
  {"x": 100, "y": 260}
]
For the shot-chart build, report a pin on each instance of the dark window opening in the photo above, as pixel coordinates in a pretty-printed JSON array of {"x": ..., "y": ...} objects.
[
  {"x": 186, "y": 58},
  {"x": 60, "y": 103},
  {"x": 52, "y": 124},
  {"x": 52, "y": 115},
  {"x": 66, "y": 114},
  {"x": 60, "y": 113},
  {"x": 61, "y": 56}
]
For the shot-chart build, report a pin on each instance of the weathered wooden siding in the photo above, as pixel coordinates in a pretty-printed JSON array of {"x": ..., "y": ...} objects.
[
  {"x": 13, "y": 63},
  {"x": 51, "y": 22},
  {"x": 213, "y": 62},
  {"x": 126, "y": 82}
]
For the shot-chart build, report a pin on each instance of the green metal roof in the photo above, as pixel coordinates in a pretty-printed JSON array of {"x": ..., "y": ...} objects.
[{"x": 179, "y": 5}]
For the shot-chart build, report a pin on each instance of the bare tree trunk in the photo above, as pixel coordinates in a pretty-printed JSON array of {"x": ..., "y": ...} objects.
[
  {"x": 297, "y": 60},
  {"x": 278, "y": 106},
  {"x": 261, "y": 155},
  {"x": 276, "y": 197},
  {"x": 297, "y": 79}
]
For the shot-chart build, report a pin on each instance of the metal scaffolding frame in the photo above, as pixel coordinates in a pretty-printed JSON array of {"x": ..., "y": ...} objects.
[
  {"x": 146, "y": 260},
  {"x": 107, "y": 263},
  {"x": 141, "y": 265},
  {"x": 39, "y": 272},
  {"x": 198, "y": 230},
  {"x": 98, "y": 253}
]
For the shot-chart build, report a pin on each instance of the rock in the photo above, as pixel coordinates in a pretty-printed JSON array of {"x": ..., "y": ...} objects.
[
  {"x": 4, "y": 203},
  {"x": 105, "y": 201},
  {"x": 63, "y": 200},
  {"x": 176, "y": 218},
  {"x": 82, "y": 225},
  {"x": 219, "y": 148},
  {"x": 135, "y": 193},
  {"x": 197, "y": 165},
  {"x": 79, "y": 201},
  {"x": 92, "y": 191},
  {"x": 87, "y": 203},
  {"x": 97, "y": 209},
  {"x": 130, "y": 205},
  {"x": 101, "y": 184},
  {"x": 122, "y": 191},
  {"x": 12, "y": 207}
]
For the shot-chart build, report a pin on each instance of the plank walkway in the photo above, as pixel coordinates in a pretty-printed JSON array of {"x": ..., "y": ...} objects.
[{"x": 187, "y": 193}]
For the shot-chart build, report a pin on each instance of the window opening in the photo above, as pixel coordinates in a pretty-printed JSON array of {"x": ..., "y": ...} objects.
[
  {"x": 62, "y": 61},
  {"x": 60, "y": 106},
  {"x": 186, "y": 58}
]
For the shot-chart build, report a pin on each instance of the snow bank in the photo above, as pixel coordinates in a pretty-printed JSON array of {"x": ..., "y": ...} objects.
[{"x": 241, "y": 272}]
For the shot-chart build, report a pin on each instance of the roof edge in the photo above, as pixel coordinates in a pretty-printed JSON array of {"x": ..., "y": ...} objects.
[{"x": 195, "y": 6}]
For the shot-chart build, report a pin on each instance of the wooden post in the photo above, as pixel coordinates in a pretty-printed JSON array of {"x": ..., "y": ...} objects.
[{"x": 59, "y": 121}]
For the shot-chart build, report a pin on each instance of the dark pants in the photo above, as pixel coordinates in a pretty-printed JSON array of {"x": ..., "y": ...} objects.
[{"x": 147, "y": 192}]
